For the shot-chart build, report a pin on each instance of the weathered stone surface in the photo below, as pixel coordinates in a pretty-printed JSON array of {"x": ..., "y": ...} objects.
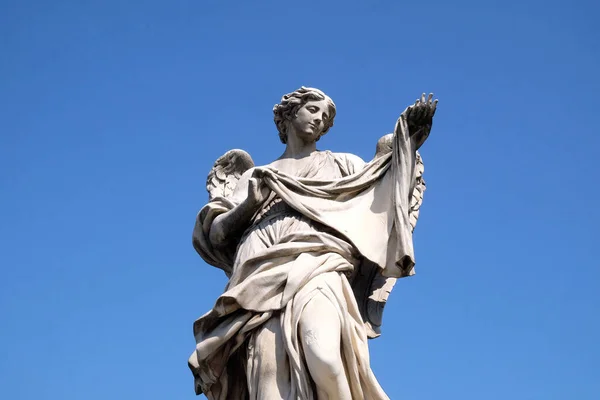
[{"x": 312, "y": 244}]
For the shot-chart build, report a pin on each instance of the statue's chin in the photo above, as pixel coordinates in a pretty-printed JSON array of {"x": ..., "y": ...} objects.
[{"x": 308, "y": 136}]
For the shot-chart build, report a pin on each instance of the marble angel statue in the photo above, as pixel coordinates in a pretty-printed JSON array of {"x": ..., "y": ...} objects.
[{"x": 312, "y": 244}]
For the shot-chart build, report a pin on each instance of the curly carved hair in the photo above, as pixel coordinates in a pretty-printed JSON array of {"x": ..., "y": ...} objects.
[{"x": 292, "y": 102}]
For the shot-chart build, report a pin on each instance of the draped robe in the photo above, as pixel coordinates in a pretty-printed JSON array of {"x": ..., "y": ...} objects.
[{"x": 334, "y": 214}]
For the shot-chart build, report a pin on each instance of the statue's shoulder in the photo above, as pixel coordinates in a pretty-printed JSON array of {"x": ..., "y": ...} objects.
[{"x": 352, "y": 161}]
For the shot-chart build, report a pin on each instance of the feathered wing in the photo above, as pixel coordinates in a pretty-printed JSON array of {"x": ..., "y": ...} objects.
[
  {"x": 226, "y": 173},
  {"x": 371, "y": 288},
  {"x": 220, "y": 184}
]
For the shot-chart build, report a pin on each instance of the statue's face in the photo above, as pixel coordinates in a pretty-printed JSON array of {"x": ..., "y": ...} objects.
[{"x": 310, "y": 119}]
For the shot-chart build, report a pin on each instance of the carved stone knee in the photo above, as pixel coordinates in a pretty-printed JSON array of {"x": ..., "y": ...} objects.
[{"x": 321, "y": 338}]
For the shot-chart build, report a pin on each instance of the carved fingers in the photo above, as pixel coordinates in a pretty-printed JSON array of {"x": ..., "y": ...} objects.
[
  {"x": 422, "y": 111},
  {"x": 431, "y": 104}
]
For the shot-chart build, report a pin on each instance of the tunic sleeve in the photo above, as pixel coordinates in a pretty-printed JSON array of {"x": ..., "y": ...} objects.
[{"x": 223, "y": 257}]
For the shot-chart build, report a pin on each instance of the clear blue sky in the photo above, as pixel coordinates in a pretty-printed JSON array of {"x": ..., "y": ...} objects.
[{"x": 112, "y": 113}]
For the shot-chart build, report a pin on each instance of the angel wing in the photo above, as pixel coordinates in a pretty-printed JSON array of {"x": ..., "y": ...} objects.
[
  {"x": 226, "y": 173},
  {"x": 221, "y": 182},
  {"x": 371, "y": 288}
]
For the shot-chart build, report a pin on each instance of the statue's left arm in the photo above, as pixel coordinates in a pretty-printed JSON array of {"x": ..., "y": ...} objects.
[{"x": 377, "y": 281}]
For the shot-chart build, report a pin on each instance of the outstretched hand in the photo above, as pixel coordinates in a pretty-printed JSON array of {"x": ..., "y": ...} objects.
[
  {"x": 419, "y": 117},
  {"x": 421, "y": 113}
]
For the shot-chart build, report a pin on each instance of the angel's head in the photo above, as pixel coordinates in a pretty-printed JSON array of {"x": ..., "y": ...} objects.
[{"x": 308, "y": 111}]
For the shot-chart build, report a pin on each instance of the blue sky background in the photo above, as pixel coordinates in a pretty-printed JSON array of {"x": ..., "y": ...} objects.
[{"x": 112, "y": 113}]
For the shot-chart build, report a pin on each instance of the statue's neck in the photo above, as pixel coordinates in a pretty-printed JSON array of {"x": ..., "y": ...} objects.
[{"x": 296, "y": 148}]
